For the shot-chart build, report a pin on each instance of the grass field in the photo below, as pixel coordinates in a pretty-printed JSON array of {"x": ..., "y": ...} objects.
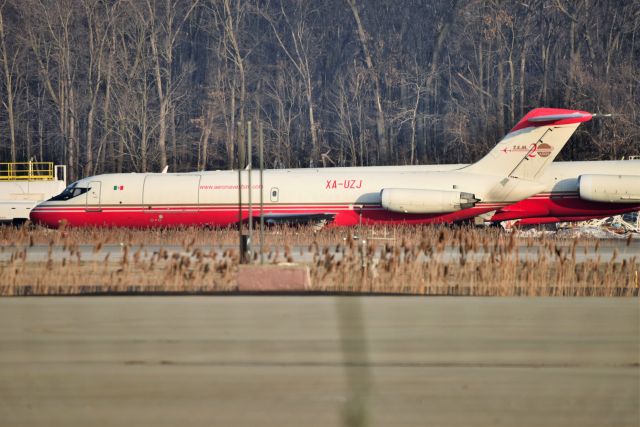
[{"x": 399, "y": 260}]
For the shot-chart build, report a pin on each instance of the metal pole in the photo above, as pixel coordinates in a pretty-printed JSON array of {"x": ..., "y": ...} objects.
[
  {"x": 241, "y": 242},
  {"x": 261, "y": 195},
  {"x": 249, "y": 182}
]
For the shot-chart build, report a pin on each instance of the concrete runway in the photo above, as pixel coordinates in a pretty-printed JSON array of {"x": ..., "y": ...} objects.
[{"x": 304, "y": 361}]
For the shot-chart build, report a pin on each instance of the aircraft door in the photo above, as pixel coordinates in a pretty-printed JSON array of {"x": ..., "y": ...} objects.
[{"x": 93, "y": 196}]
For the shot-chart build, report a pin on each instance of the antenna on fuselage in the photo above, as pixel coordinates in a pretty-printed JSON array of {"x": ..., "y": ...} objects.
[{"x": 166, "y": 168}]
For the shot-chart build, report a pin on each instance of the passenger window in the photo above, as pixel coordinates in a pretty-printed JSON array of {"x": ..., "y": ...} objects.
[{"x": 274, "y": 194}]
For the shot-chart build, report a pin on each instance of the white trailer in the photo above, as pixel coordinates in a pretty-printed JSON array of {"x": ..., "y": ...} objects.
[{"x": 24, "y": 185}]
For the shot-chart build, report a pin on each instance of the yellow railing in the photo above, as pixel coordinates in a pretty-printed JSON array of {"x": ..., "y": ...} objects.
[{"x": 26, "y": 171}]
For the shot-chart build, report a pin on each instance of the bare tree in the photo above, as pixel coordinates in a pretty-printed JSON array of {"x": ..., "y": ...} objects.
[
  {"x": 164, "y": 27},
  {"x": 136, "y": 84},
  {"x": 9, "y": 59},
  {"x": 51, "y": 38},
  {"x": 232, "y": 16},
  {"x": 99, "y": 18},
  {"x": 297, "y": 41},
  {"x": 380, "y": 118}
]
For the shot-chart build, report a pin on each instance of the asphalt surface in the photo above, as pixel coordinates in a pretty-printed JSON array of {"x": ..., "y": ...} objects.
[{"x": 319, "y": 361}]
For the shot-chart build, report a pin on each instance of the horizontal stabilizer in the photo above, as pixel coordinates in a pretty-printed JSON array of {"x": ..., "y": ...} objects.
[{"x": 557, "y": 117}]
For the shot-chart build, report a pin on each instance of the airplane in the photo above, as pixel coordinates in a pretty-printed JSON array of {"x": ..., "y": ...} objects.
[
  {"x": 573, "y": 191},
  {"x": 579, "y": 191},
  {"x": 348, "y": 196}
]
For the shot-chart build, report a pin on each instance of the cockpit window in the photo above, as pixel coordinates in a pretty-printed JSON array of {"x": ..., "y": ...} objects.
[{"x": 70, "y": 192}]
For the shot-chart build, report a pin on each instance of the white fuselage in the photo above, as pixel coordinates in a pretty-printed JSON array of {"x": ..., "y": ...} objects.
[{"x": 351, "y": 194}]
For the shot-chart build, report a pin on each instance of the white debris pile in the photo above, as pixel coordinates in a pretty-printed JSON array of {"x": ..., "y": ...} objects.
[
  {"x": 616, "y": 227},
  {"x": 595, "y": 232}
]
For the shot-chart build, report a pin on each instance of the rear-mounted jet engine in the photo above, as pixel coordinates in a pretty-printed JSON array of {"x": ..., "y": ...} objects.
[
  {"x": 610, "y": 188},
  {"x": 407, "y": 200}
]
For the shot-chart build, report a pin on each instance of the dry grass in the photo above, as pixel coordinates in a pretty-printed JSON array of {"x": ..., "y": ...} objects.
[
  {"x": 403, "y": 260},
  {"x": 488, "y": 264},
  {"x": 276, "y": 236}
]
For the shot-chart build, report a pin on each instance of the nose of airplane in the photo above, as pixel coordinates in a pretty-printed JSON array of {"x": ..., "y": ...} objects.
[{"x": 40, "y": 216}]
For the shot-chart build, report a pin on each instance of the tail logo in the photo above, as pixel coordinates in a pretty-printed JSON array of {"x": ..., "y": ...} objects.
[{"x": 544, "y": 150}]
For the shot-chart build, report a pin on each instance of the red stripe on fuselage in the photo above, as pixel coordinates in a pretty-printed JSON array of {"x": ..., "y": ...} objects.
[
  {"x": 561, "y": 205},
  {"x": 544, "y": 205},
  {"x": 225, "y": 215}
]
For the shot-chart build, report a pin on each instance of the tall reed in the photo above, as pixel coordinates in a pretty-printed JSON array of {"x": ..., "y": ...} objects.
[{"x": 400, "y": 260}]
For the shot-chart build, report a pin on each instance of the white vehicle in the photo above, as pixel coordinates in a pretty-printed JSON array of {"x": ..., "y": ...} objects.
[{"x": 24, "y": 185}]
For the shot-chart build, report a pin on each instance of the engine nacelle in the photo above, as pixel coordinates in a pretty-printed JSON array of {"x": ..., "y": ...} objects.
[
  {"x": 407, "y": 200},
  {"x": 610, "y": 188}
]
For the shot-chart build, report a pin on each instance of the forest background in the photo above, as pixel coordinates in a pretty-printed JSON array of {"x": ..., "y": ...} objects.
[{"x": 134, "y": 85}]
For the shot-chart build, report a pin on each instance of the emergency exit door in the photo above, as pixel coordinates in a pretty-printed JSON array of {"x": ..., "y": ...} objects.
[{"x": 93, "y": 196}]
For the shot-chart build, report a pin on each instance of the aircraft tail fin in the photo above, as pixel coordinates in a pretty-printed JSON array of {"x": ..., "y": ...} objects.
[{"x": 532, "y": 144}]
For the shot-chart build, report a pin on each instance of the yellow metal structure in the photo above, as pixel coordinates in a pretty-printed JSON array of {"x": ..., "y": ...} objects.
[{"x": 27, "y": 171}]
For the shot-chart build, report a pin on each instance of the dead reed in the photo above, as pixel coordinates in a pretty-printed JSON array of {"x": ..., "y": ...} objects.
[
  {"x": 475, "y": 262},
  {"x": 402, "y": 260}
]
